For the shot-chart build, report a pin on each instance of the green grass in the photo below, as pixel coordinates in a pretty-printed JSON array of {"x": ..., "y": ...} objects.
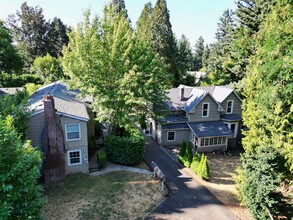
[{"x": 117, "y": 195}]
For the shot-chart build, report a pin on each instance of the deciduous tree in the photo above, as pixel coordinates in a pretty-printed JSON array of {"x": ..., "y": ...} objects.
[
  {"x": 10, "y": 59},
  {"x": 125, "y": 77}
]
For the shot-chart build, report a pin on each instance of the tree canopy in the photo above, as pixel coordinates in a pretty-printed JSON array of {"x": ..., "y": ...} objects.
[
  {"x": 10, "y": 59},
  {"x": 125, "y": 77}
]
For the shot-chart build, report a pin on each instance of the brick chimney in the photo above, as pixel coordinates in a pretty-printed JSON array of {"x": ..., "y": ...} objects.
[
  {"x": 181, "y": 93},
  {"x": 53, "y": 144}
]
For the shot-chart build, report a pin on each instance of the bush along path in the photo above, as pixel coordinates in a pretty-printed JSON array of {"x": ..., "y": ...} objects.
[{"x": 198, "y": 164}]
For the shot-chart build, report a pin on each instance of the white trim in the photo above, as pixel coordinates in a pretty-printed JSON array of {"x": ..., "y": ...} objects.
[
  {"x": 236, "y": 127},
  {"x": 68, "y": 156},
  {"x": 168, "y": 135},
  {"x": 72, "y": 116},
  {"x": 214, "y": 138},
  {"x": 34, "y": 113},
  {"x": 232, "y": 107},
  {"x": 208, "y": 110},
  {"x": 76, "y": 139}
]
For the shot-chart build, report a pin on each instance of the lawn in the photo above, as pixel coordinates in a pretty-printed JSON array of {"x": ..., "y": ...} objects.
[{"x": 116, "y": 195}]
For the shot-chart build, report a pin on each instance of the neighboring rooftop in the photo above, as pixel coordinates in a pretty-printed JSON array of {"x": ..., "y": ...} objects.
[
  {"x": 10, "y": 90},
  {"x": 67, "y": 102}
]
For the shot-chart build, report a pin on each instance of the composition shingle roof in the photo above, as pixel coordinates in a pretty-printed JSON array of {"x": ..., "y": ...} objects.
[
  {"x": 193, "y": 95},
  {"x": 231, "y": 117},
  {"x": 174, "y": 118},
  {"x": 66, "y": 101},
  {"x": 10, "y": 90},
  {"x": 210, "y": 129},
  {"x": 175, "y": 126}
]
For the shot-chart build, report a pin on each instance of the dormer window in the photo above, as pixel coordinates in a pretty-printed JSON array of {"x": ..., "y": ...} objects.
[
  {"x": 205, "y": 109},
  {"x": 229, "y": 109}
]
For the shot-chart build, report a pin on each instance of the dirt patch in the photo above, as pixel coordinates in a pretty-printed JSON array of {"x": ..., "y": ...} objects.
[
  {"x": 116, "y": 195},
  {"x": 222, "y": 184}
]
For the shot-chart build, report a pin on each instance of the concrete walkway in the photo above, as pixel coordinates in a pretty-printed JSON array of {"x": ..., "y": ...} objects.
[{"x": 110, "y": 167}]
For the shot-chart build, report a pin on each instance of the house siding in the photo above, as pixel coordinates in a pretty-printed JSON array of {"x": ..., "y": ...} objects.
[
  {"x": 81, "y": 145},
  {"x": 211, "y": 148},
  {"x": 236, "y": 105},
  {"x": 180, "y": 136},
  {"x": 196, "y": 115},
  {"x": 232, "y": 142},
  {"x": 36, "y": 126}
]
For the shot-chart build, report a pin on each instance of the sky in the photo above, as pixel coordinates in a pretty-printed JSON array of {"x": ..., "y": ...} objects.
[{"x": 193, "y": 18}]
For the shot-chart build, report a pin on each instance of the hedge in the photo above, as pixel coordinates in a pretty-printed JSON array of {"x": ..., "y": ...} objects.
[{"x": 125, "y": 150}]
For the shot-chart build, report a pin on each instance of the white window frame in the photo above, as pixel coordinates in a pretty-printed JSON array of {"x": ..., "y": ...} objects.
[
  {"x": 232, "y": 106},
  {"x": 68, "y": 156},
  {"x": 236, "y": 127},
  {"x": 217, "y": 141},
  {"x": 168, "y": 135},
  {"x": 75, "y": 139},
  {"x": 208, "y": 109}
]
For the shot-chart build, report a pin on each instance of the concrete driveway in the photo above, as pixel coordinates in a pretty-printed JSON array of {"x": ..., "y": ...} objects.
[{"x": 188, "y": 199}]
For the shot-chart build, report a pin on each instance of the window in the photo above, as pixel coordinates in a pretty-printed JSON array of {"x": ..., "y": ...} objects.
[
  {"x": 205, "y": 109},
  {"x": 74, "y": 157},
  {"x": 229, "y": 109},
  {"x": 232, "y": 127},
  {"x": 213, "y": 141},
  {"x": 171, "y": 136},
  {"x": 72, "y": 132}
]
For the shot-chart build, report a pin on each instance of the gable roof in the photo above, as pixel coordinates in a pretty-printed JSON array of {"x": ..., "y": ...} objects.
[
  {"x": 194, "y": 95},
  {"x": 66, "y": 101}
]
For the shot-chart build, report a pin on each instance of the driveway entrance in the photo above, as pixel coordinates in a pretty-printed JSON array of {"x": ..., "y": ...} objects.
[{"x": 187, "y": 199}]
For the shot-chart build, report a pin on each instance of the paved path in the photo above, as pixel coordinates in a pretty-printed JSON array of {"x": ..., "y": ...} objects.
[
  {"x": 188, "y": 199},
  {"x": 110, "y": 167}
]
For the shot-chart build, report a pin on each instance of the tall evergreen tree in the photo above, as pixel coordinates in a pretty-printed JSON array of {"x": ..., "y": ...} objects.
[
  {"x": 205, "y": 56},
  {"x": 56, "y": 37},
  {"x": 163, "y": 38},
  {"x": 144, "y": 24},
  {"x": 268, "y": 111},
  {"x": 29, "y": 28},
  {"x": 120, "y": 6},
  {"x": 184, "y": 58},
  {"x": 198, "y": 53},
  {"x": 36, "y": 37},
  {"x": 219, "y": 64}
]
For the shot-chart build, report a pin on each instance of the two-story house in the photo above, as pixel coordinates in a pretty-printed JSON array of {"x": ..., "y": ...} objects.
[
  {"x": 209, "y": 117},
  {"x": 60, "y": 125}
]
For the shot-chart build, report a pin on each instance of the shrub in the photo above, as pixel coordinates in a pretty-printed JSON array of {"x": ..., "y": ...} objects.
[
  {"x": 202, "y": 169},
  {"x": 101, "y": 158},
  {"x": 125, "y": 150},
  {"x": 182, "y": 152},
  {"x": 188, "y": 155},
  {"x": 20, "y": 194},
  {"x": 195, "y": 162}
]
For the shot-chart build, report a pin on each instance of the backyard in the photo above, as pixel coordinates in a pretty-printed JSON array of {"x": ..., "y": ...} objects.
[{"x": 122, "y": 195}]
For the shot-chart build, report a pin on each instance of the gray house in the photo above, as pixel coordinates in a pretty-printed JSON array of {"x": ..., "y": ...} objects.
[
  {"x": 209, "y": 117},
  {"x": 60, "y": 125}
]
